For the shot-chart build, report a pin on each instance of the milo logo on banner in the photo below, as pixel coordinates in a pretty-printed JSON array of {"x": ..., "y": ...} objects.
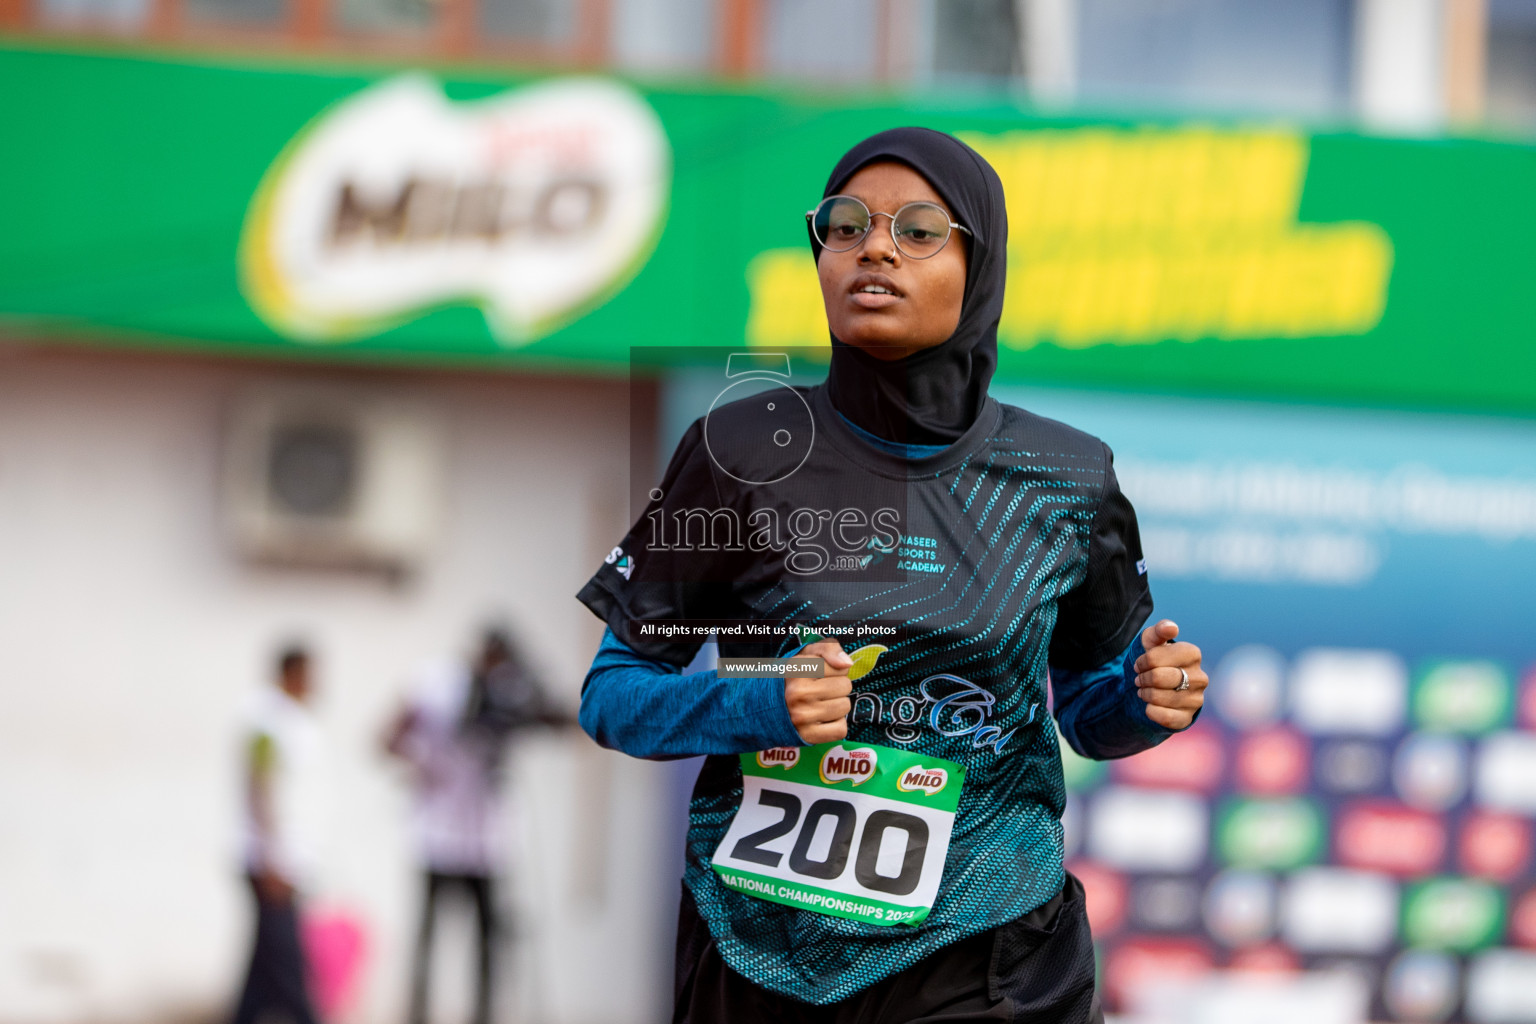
[
  {"x": 856, "y": 765},
  {"x": 535, "y": 205}
]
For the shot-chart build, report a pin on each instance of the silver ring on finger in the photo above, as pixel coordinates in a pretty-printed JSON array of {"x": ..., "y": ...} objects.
[{"x": 1183, "y": 680}]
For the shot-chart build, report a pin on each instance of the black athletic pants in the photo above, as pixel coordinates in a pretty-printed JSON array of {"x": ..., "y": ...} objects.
[
  {"x": 275, "y": 982},
  {"x": 1038, "y": 969},
  {"x": 479, "y": 889}
]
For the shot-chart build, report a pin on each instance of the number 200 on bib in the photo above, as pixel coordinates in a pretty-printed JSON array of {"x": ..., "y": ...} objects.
[{"x": 849, "y": 830}]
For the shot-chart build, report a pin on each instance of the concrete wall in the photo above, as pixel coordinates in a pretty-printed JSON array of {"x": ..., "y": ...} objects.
[{"x": 130, "y": 633}]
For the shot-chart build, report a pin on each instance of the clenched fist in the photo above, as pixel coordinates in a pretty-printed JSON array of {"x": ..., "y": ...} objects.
[
  {"x": 1162, "y": 669},
  {"x": 819, "y": 707}
]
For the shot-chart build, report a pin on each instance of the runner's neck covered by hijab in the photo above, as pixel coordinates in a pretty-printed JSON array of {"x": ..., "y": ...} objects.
[{"x": 934, "y": 395}]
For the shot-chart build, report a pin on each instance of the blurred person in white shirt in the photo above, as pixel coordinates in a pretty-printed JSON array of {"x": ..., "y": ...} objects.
[
  {"x": 453, "y": 732},
  {"x": 285, "y": 807}
]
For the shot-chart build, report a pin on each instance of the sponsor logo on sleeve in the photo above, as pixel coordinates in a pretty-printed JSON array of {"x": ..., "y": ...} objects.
[
  {"x": 624, "y": 564},
  {"x": 856, "y": 766}
]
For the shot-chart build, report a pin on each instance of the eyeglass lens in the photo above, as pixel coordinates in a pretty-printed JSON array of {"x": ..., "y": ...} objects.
[{"x": 841, "y": 222}]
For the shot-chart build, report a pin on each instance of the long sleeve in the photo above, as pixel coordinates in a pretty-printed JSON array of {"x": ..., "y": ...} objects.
[
  {"x": 648, "y": 708},
  {"x": 1098, "y": 710},
  {"x": 1106, "y": 609}
]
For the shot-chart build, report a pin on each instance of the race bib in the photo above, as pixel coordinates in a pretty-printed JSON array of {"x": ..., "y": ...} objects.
[{"x": 845, "y": 829}]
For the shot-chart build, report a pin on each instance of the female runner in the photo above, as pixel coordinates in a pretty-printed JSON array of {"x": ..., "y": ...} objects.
[{"x": 892, "y": 854}]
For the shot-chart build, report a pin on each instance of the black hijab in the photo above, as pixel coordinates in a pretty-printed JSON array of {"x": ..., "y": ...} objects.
[{"x": 932, "y": 396}]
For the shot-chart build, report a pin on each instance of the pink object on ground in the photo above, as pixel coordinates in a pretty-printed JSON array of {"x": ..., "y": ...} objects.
[{"x": 335, "y": 945}]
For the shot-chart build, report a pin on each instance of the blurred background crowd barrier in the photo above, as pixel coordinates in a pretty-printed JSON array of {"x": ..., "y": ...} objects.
[{"x": 317, "y": 319}]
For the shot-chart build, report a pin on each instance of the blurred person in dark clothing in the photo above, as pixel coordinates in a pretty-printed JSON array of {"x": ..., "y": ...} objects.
[
  {"x": 284, "y": 810},
  {"x": 453, "y": 732}
]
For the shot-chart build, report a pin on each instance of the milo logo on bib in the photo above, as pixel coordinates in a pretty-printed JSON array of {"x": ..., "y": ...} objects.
[
  {"x": 860, "y": 832},
  {"x": 779, "y": 757},
  {"x": 928, "y": 780},
  {"x": 855, "y": 766}
]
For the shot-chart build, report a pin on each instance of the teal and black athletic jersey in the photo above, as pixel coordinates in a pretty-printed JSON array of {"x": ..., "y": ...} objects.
[{"x": 1009, "y": 551}]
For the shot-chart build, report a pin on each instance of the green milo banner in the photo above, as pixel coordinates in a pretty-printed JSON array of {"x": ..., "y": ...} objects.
[{"x": 381, "y": 213}]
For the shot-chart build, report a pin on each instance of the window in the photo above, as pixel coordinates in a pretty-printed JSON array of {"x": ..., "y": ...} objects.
[
  {"x": 664, "y": 35},
  {"x": 551, "y": 22},
  {"x": 826, "y": 40},
  {"x": 386, "y": 15},
  {"x": 1288, "y": 57},
  {"x": 976, "y": 41},
  {"x": 1511, "y": 97},
  {"x": 102, "y": 15},
  {"x": 238, "y": 12}
]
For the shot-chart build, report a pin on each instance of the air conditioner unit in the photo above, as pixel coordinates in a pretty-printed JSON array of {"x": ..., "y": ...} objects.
[{"x": 333, "y": 479}]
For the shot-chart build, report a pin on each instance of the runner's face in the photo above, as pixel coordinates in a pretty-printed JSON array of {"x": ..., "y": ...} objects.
[{"x": 923, "y": 307}]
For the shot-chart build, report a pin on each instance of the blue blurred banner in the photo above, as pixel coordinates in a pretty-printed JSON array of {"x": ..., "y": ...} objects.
[{"x": 1360, "y": 790}]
